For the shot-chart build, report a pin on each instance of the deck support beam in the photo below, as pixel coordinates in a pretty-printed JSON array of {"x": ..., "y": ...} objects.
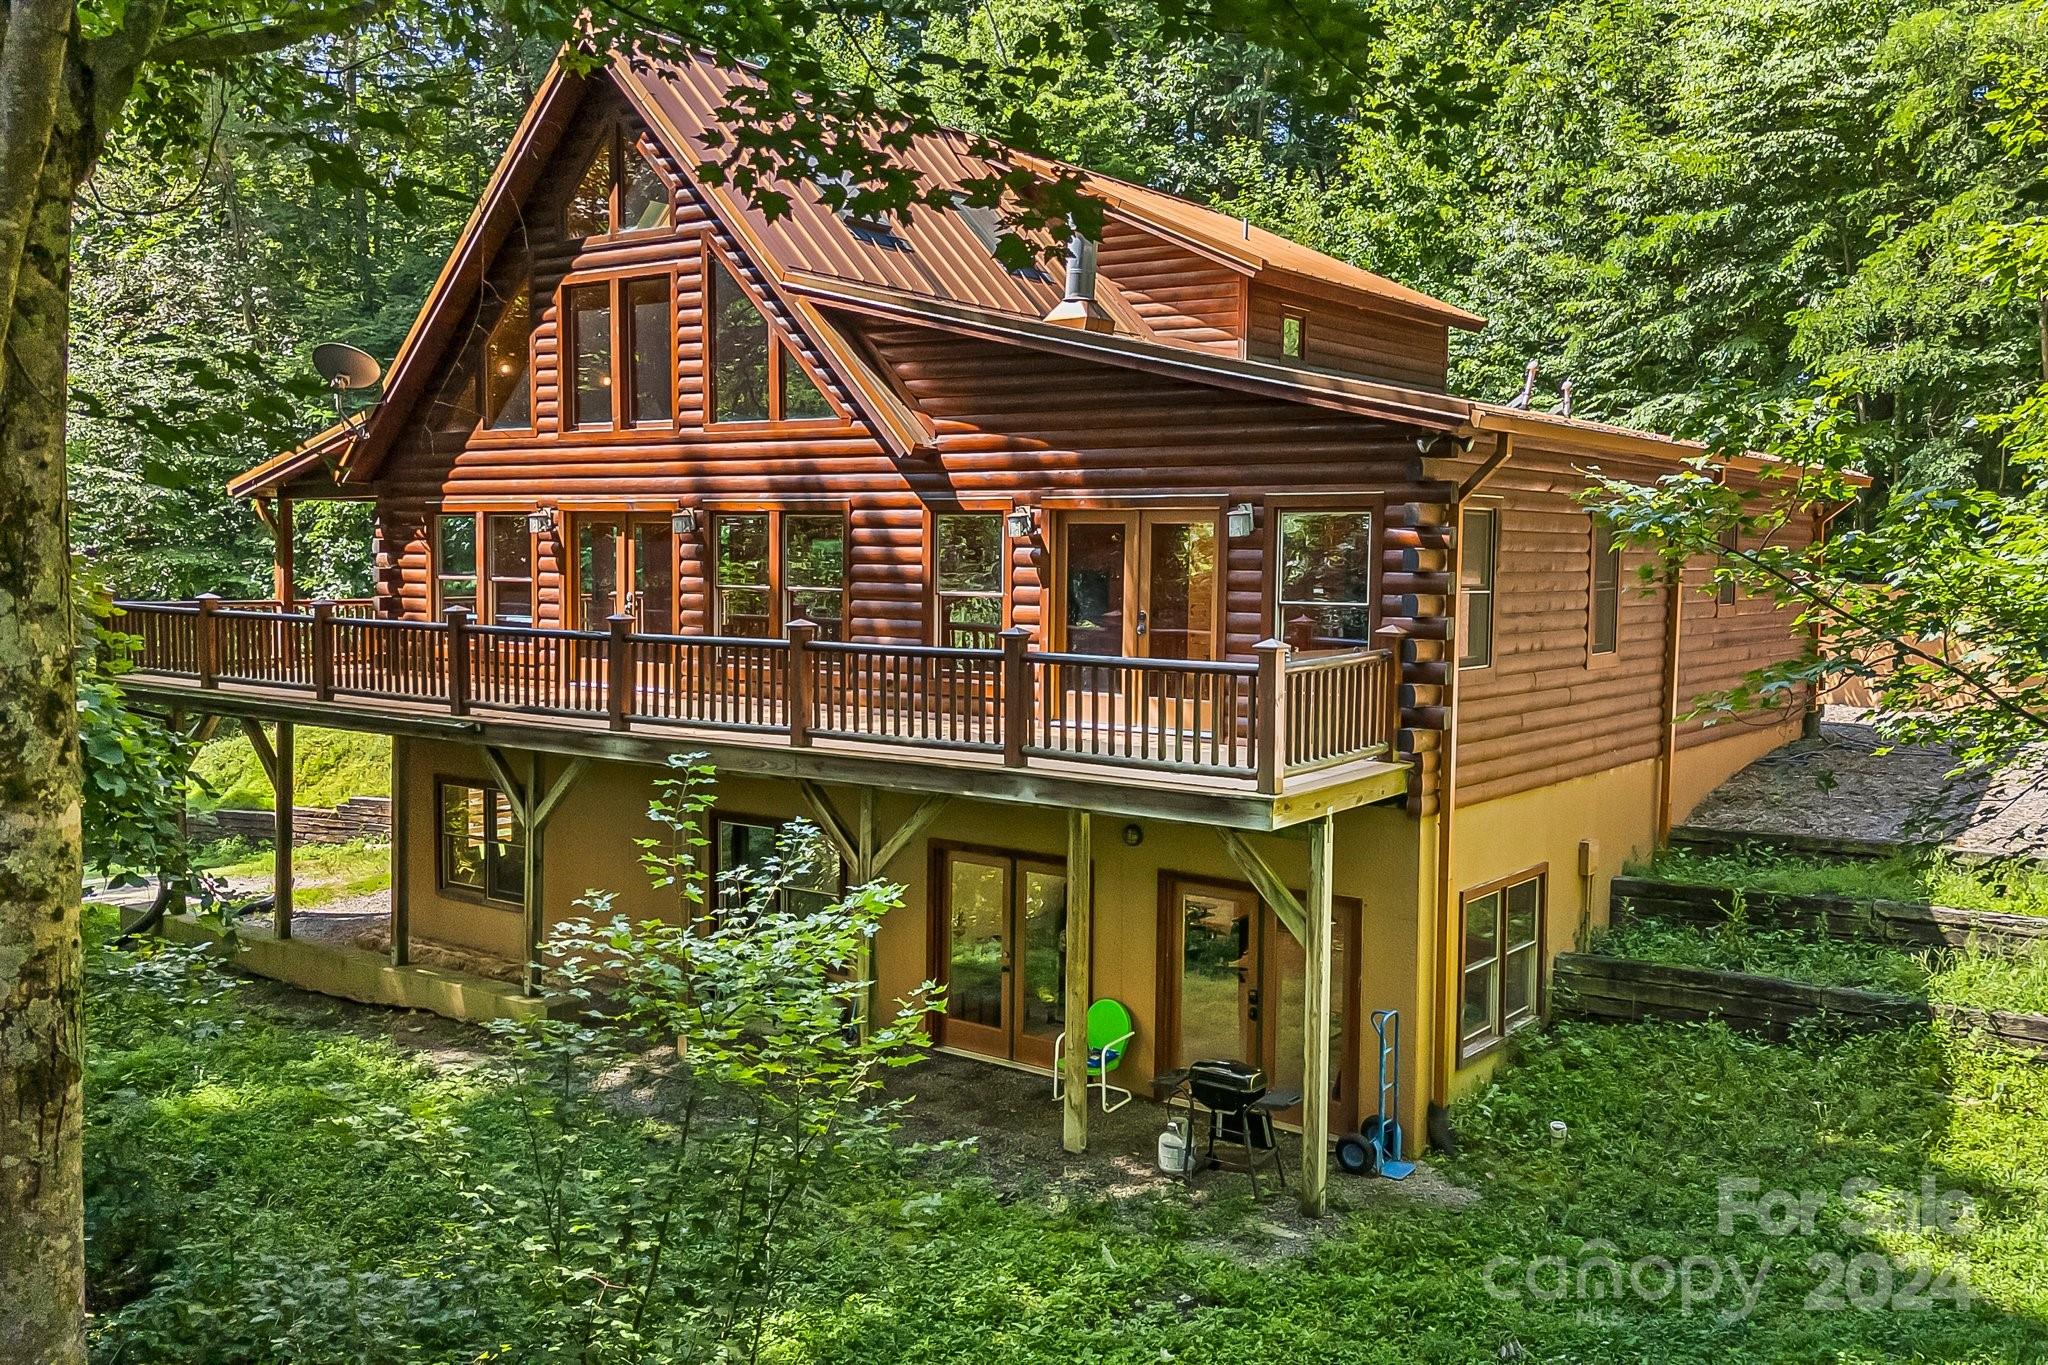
[
  {"x": 1080, "y": 917},
  {"x": 531, "y": 806},
  {"x": 401, "y": 850},
  {"x": 864, "y": 861},
  {"x": 276, "y": 762}
]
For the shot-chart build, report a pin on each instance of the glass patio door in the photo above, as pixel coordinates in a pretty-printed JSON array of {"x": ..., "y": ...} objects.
[
  {"x": 625, "y": 564},
  {"x": 1004, "y": 943},
  {"x": 1141, "y": 585},
  {"x": 1241, "y": 975}
]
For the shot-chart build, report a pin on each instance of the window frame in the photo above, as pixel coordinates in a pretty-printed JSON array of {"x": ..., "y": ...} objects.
[
  {"x": 437, "y": 559},
  {"x": 936, "y": 597},
  {"x": 1299, "y": 317},
  {"x": 782, "y": 352},
  {"x": 618, "y": 285},
  {"x": 490, "y": 581},
  {"x": 491, "y": 893},
  {"x": 613, "y": 137},
  {"x": 485, "y": 426},
  {"x": 1472, "y": 1045},
  {"x": 1278, "y": 512},
  {"x": 1726, "y": 589},
  {"x": 715, "y": 861},
  {"x": 778, "y": 586},
  {"x": 1601, "y": 549},
  {"x": 1490, "y": 590}
]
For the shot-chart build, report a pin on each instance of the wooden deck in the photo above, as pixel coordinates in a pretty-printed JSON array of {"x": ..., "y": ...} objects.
[{"x": 1250, "y": 745}]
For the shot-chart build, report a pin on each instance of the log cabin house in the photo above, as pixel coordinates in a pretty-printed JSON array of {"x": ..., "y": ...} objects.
[{"x": 1168, "y": 632}]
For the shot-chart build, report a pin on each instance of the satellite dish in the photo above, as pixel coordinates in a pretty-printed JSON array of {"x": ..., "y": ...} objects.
[{"x": 344, "y": 367}]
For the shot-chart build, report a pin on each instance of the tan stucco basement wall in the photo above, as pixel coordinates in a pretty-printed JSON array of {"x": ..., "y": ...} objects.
[
  {"x": 1379, "y": 855},
  {"x": 1705, "y": 765}
]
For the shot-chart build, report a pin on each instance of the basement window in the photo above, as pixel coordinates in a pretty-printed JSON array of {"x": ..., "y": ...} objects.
[
  {"x": 482, "y": 848},
  {"x": 752, "y": 851},
  {"x": 1502, "y": 978}
]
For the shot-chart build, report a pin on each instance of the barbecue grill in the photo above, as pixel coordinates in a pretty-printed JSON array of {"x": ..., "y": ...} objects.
[{"x": 1235, "y": 1095}]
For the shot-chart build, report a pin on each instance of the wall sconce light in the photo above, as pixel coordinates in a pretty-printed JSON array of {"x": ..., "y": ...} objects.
[
  {"x": 1134, "y": 834},
  {"x": 1239, "y": 522},
  {"x": 541, "y": 521},
  {"x": 684, "y": 522},
  {"x": 1021, "y": 520}
]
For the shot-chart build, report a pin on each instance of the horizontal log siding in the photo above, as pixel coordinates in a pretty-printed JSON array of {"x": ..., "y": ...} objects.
[
  {"x": 1352, "y": 340},
  {"x": 1547, "y": 710},
  {"x": 1721, "y": 642},
  {"x": 1184, "y": 298}
]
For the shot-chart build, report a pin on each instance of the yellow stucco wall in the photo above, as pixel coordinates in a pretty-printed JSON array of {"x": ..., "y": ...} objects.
[
  {"x": 1379, "y": 854},
  {"x": 1704, "y": 766}
]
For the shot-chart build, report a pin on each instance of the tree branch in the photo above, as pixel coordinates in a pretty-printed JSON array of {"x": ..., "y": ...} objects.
[
  {"x": 31, "y": 74},
  {"x": 225, "y": 45}
]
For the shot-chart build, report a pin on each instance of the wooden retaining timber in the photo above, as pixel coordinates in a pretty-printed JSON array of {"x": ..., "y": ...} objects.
[
  {"x": 1592, "y": 986},
  {"x": 1881, "y": 921},
  {"x": 1708, "y": 839}
]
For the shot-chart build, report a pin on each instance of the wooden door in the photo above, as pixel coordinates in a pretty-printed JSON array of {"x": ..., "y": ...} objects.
[
  {"x": 1001, "y": 952},
  {"x": 1236, "y": 989},
  {"x": 1142, "y": 585},
  {"x": 625, "y": 564}
]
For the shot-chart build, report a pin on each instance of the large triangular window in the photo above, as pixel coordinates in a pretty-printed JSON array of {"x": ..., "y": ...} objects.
[
  {"x": 755, "y": 376},
  {"x": 507, "y": 397},
  {"x": 619, "y": 191}
]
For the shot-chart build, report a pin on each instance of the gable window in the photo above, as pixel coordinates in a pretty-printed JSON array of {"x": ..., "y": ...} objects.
[
  {"x": 1478, "y": 554},
  {"x": 776, "y": 567},
  {"x": 589, "y": 309},
  {"x": 1603, "y": 629},
  {"x": 508, "y": 568},
  {"x": 967, "y": 570},
  {"x": 507, "y": 398},
  {"x": 620, "y": 380},
  {"x": 455, "y": 575},
  {"x": 1503, "y": 961},
  {"x": 619, "y": 191},
  {"x": 1323, "y": 598},
  {"x": 755, "y": 377},
  {"x": 748, "y": 849},
  {"x": 1293, "y": 335},
  {"x": 482, "y": 847}
]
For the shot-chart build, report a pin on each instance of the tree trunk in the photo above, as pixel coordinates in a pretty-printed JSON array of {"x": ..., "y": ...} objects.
[{"x": 42, "y": 1223}]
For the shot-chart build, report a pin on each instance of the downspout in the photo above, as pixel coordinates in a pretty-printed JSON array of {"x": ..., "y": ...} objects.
[
  {"x": 1447, "y": 777},
  {"x": 1667, "y": 739}
]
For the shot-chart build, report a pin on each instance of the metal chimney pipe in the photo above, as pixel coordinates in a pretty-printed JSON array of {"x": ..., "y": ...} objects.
[{"x": 1078, "y": 308}]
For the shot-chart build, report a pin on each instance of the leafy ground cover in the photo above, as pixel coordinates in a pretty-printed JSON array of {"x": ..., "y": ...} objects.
[
  {"x": 2017, "y": 886},
  {"x": 330, "y": 767},
  {"x": 249, "y": 1201},
  {"x": 1958, "y": 976},
  {"x": 322, "y": 873}
]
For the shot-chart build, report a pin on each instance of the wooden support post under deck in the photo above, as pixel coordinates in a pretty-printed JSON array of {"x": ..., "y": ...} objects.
[
  {"x": 283, "y": 789},
  {"x": 401, "y": 848},
  {"x": 1315, "y": 1022},
  {"x": 530, "y": 878},
  {"x": 1080, "y": 905}
]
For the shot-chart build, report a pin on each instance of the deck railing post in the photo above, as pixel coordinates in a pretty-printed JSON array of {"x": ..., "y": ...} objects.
[
  {"x": 1017, "y": 697},
  {"x": 206, "y": 639},
  {"x": 797, "y": 689},
  {"x": 323, "y": 650},
  {"x": 458, "y": 660},
  {"x": 1270, "y": 740},
  {"x": 618, "y": 669}
]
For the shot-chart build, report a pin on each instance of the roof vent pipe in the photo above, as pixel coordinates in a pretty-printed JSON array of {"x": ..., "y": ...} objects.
[{"x": 1078, "y": 308}]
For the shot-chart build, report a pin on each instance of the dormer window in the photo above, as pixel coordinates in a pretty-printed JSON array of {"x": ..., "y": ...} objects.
[{"x": 620, "y": 190}]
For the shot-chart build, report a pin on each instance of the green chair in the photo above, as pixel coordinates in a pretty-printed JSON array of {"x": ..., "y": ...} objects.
[{"x": 1110, "y": 1031}]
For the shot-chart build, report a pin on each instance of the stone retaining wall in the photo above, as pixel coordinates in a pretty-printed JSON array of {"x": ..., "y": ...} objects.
[{"x": 359, "y": 817}]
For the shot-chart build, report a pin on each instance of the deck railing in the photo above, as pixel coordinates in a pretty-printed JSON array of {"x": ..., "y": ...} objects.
[{"x": 1261, "y": 721}]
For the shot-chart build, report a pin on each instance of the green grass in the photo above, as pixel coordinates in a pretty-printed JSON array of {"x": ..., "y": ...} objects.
[
  {"x": 2016, "y": 886},
  {"x": 329, "y": 767},
  {"x": 238, "y": 1214},
  {"x": 1959, "y": 976},
  {"x": 322, "y": 873}
]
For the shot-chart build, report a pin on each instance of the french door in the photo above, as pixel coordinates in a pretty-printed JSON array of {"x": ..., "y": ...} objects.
[
  {"x": 625, "y": 564},
  {"x": 1000, "y": 948},
  {"x": 1236, "y": 989},
  {"x": 1143, "y": 585}
]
